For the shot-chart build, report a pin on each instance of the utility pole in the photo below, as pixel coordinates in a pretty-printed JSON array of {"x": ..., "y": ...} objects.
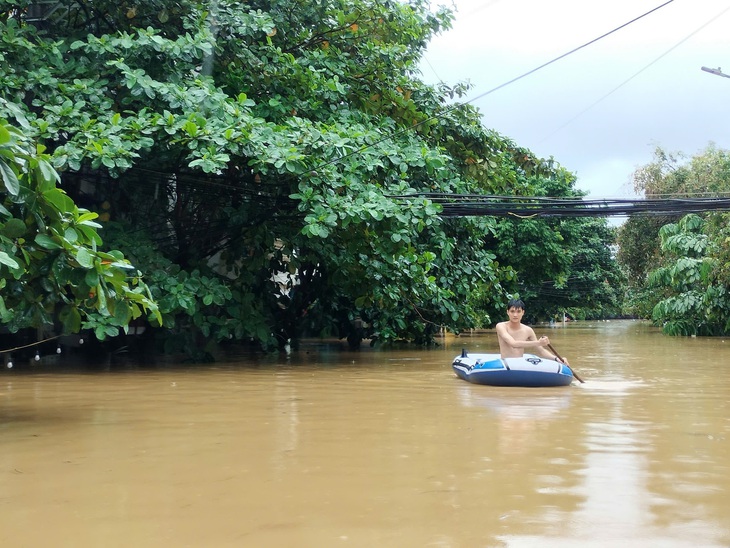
[{"x": 717, "y": 71}]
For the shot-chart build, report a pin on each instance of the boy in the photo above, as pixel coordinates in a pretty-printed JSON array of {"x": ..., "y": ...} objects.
[{"x": 514, "y": 336}]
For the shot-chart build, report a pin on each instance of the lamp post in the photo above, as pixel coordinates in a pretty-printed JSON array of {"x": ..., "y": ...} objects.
[{"x": 716, "y": 71}]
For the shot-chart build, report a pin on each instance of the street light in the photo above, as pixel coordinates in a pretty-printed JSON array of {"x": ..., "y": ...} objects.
[{"x": 716, "y": 71}]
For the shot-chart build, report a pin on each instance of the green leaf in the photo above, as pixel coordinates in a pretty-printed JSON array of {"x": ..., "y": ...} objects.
[
  {"x": 7, "y": 260},
  {"x": 71, "y": 320},
  {"x": 101, "y": 305},
  {"x": 59, "y": 200},
  {"x": 4, "y": 135},
  {"x": 91, "y": 278},
  {"x": 71, "y": 235},
  {"x": 83, "y": 257},
  {"x": 122, "y": 314},
  {"x": 87, "y": 216},
  {"x": 10, "y": 179},
  {"x": 49, "y": 175},
  {"x": 13, "y": 228},
  {"x": 46, "y": 242},
  {"x": 90, "y": 235}
]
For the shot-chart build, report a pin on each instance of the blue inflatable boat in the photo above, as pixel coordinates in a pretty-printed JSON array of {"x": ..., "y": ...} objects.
[{"x": 529, "y": 370}]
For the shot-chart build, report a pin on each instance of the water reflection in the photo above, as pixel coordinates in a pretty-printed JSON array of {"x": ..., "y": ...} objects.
[
  {"x": 519, "y": 414},
  {"x": 325, "y": 447}
]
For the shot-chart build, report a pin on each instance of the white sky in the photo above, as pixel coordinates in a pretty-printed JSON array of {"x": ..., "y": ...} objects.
[{"x": 571, "y": 110}]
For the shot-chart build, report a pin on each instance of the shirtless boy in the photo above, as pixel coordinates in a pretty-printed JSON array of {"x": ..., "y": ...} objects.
[{"x": 514, "y": 336}]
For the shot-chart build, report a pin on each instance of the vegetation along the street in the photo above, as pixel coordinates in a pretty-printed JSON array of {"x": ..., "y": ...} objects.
[{"x": 235, "y": 173}]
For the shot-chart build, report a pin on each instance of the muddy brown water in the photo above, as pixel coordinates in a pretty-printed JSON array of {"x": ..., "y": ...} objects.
[{"x": 326, "y": 447}]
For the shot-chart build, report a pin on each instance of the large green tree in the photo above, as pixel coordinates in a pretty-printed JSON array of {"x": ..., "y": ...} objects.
[
  {"x": 261, "y": 161},
  {"x": 678, "y": 265}
]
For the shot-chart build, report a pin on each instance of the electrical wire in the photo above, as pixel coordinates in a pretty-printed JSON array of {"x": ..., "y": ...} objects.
[
  {"x": 574, "y": 50},
  {"x": 470, "y": 205},
  {"x": 675, "y": 46}
]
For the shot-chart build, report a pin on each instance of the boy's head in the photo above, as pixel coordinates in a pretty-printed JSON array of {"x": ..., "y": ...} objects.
[{"x": 515, "y": 303}]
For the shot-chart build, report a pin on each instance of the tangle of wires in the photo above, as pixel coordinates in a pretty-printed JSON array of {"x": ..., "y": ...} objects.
[{"x": 470, "y": 205}]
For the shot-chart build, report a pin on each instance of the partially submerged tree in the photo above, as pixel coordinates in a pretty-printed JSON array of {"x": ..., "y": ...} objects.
[{"x": 261, "y": 162}]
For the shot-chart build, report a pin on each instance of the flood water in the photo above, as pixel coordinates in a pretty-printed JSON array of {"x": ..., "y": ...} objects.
[{"x": 385, "y": 448}]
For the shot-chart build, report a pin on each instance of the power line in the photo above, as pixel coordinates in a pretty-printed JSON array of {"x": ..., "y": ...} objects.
[
  {"x": 675, "y": 46},
  {"x": 470, "y": 205},
  {"x": 574, "y": 50}
]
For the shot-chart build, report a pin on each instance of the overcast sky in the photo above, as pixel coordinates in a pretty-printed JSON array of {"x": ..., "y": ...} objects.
[{"x": 601, "y": 111}]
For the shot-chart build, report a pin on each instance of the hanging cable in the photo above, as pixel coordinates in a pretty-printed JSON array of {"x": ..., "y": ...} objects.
[
  {"x": 469, "y": 205},
  {"x": 675, "y": 46}
]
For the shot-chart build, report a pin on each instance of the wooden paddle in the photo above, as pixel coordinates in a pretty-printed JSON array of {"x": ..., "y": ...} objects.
[{"x": 550, "y": 346}]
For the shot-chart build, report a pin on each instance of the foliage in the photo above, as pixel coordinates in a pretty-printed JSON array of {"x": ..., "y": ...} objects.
[
  {"x": 562, "y": 265},
  {"x": 193, "y": 304},
  {"x": 676, "y": 175},
  {"x": 51, "y": 265},
  {"x": 262, "y": 163},
  {"x": 668, "y": 175},
  {"x": 638, "y": 254},
  {"x": 692, "y": 302},
  {"x": 678, "y": 266},
  {"x": 638, "y": 246}
]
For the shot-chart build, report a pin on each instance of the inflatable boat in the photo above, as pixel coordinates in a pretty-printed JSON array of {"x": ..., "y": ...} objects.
[{"x": 529, "y": 370}]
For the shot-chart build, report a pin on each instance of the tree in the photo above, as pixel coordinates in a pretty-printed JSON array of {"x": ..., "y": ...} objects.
[
  {"x": 692, "y": 302},
  {"x": 678, "y": 264},
  {"x": 262, "y": 162},
  {"x": 674, "y": 175}
]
